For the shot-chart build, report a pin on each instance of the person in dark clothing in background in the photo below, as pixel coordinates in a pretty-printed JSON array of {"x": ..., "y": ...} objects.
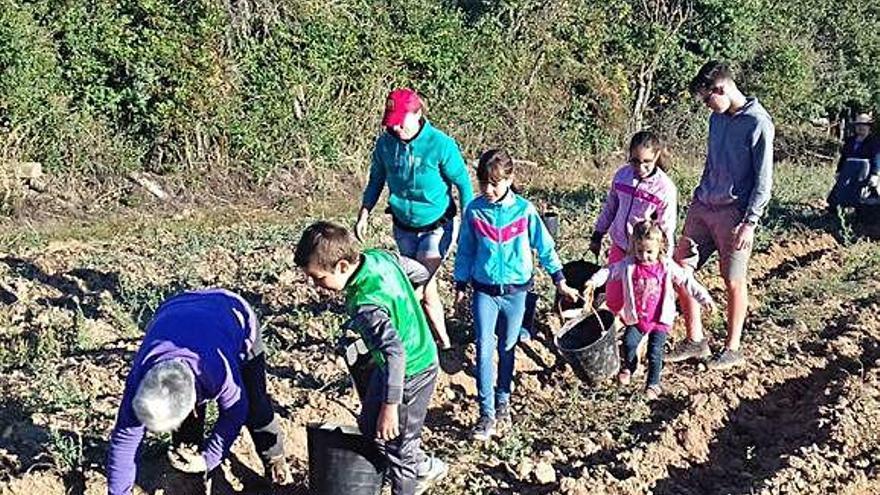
[{"x": 858, "y": 166}]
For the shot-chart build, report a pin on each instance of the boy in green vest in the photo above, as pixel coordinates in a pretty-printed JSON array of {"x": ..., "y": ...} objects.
[{"x": 385, "y": 311}]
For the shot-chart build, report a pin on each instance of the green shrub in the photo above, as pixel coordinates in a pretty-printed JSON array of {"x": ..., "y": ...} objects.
[
  {"x": 103, "y": 86},
  {"x": 32, "y": 90}
]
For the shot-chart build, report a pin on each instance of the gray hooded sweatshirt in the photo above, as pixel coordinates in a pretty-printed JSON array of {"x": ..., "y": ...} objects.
[{"x": 739, "y": 165}]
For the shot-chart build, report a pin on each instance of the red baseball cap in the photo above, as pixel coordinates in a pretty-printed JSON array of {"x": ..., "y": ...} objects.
[{"x": 399, "y": 103}]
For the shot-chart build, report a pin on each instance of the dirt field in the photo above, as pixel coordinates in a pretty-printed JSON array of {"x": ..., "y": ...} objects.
[{"x": 800, "y": 418}]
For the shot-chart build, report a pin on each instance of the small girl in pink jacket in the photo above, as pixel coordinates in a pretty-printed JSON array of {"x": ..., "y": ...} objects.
[
  {"x": 640, "y": 191},
  {"x": 647, "y": 277}
]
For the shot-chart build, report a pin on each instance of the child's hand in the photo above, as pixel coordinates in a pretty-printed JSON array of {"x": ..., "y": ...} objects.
[
  {"x": 360, "y": 226},
  {"x": 187, "y": 460},
  {"x": 388, "y": 425},
  {"x": 744, "y": 236},
  {"x": 567, "y": 292},
  {"x": 588, "y": 295},
  {"x": 279, "y": 471}
]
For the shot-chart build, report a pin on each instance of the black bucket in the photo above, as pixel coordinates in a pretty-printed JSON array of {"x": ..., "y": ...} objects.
[
  {"x": 528, "y": 323},
  {"x": 589, "y": 344},
  {"x": 576, "y": 275},
  {"x": 341, "y": 461}
]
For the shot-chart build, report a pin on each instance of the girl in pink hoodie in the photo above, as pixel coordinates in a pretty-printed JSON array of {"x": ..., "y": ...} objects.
[
  {"x": 648, "y": 277},
  {"x": 640, "y": 191}
]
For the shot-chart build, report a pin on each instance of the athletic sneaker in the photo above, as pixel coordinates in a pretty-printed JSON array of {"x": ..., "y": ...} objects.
[
  {"x": 652, "y": 392},
  {"x": 502, "y": 413},
  {"x": 430, "y": 472},
  {"x": 688, "y": 349},
  {"x": 725, "y": 360},
  {"x": 485, "y": 429}
]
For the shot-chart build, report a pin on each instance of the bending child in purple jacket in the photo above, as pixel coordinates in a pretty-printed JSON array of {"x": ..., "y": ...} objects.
[{"x": 200, "y": 346}]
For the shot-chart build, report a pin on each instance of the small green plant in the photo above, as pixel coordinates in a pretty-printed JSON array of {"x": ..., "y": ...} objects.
[
  {"x": 142, "y": 298},
  {"x": 66, "y": 450},
  {"x": 845, "y": 227},
  {"x": 54, "y": 393},
  {"x": 514, "y": 445}
]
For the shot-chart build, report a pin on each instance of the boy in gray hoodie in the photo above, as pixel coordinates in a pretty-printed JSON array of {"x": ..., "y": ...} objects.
[{"x": 727, "y": 206}]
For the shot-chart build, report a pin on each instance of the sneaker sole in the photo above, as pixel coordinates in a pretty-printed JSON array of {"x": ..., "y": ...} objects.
[
  {"x": 437, "y": 477},
  {"x": 696, "y": 355},
  {"x": 726, "y": 366},
  {"x": 484, "y": 438},
  {"x": 427, "y": 484}
]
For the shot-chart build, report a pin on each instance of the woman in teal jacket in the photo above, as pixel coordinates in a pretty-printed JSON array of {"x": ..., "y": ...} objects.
[{"x": 419, "y": 163}]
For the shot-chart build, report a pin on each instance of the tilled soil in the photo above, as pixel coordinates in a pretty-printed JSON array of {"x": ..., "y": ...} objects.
[{"x": 800, "y": 417}]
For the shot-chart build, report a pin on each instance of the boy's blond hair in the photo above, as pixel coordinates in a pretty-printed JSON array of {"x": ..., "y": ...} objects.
[
  {"x": 324, "y": 244},
  {"x": 647, "y": 231}
]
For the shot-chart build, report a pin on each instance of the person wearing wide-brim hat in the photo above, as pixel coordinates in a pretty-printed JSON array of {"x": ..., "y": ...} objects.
[
  {"x": 862, "y": 143},
  {"x": 858, "y": 149}
]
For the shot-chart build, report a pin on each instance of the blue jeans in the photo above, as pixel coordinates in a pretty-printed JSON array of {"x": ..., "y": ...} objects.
[
  {"x": 655, "y": 352},
  {"x": 497, "y": 324}
]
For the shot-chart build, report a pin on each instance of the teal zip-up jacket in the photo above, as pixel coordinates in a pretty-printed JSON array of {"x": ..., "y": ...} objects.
[
  {"x": 496, "y": 242},
  {"x": 418, "y": 174}
]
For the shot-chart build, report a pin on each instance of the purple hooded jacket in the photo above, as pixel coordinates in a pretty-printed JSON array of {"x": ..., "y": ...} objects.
[
  {"x": 211, "y": 331},
  {"x": 632, "y": 200}
]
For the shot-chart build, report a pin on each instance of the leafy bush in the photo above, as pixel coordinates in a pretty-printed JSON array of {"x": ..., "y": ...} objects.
[{"x": 107, "y": 86}]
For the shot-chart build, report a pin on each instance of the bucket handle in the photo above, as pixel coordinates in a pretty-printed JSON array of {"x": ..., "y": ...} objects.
[
  {"x": 595, "y": 313},
  {"x": 598, "y": 318}
]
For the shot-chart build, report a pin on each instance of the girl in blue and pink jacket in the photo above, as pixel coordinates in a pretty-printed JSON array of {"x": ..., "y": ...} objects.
[
  {"x": 640, "y": 191},
  {"x": 499, "y": 231}
]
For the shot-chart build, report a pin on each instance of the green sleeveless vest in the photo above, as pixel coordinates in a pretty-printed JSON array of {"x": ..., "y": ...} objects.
[{"x": 380, "y": 281}]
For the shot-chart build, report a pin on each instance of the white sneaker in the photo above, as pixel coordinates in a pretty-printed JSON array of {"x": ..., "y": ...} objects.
[{"x": 432, "y": 470}]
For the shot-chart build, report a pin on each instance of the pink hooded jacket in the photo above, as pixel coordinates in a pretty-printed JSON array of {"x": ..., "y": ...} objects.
[
  {"x": 632, "y": 200},
  {"x": 675, "y": 276}
]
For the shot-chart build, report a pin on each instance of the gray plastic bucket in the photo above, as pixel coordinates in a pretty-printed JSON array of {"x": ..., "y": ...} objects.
[{"x": 589, "y": 344}]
